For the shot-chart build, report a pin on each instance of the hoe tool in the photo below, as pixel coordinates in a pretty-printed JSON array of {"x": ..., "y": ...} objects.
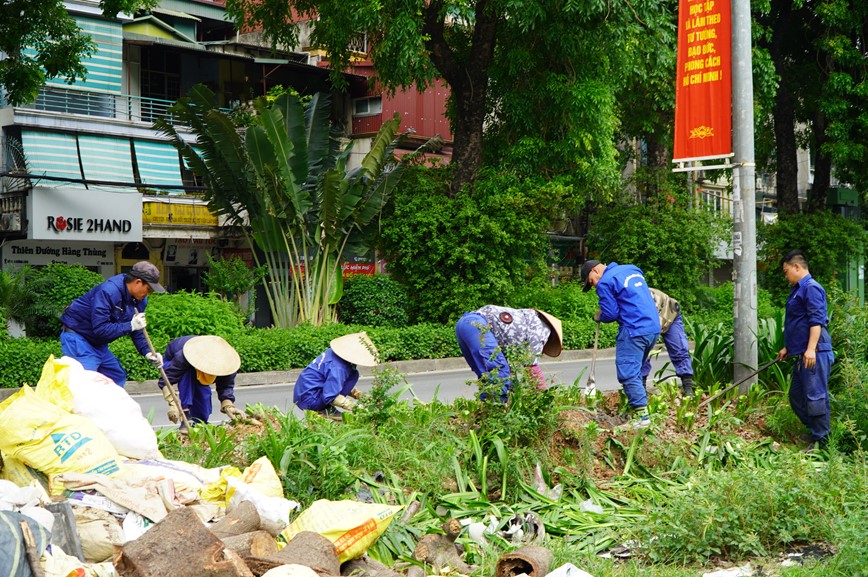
[
  {"x": 170, "y": 386},
  {"x": 732, "y": 386},
  {"x": 591, "y": 384}
]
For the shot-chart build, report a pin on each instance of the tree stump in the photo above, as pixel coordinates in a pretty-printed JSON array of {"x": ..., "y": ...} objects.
[
  {"x": 179, "y": 546},
  {"x": 530, "y": 559},
  {"x": 440, "y": 551},
  {"x": 367, "y": 567}
]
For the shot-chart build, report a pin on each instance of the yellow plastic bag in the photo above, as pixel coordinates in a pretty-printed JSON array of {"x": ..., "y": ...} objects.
[
  {"x": 260, "y": 475},
  {"x": 218, "y": 491},
  {"x": 351, "y": 526},
  {"x": 46, "y": 438}
]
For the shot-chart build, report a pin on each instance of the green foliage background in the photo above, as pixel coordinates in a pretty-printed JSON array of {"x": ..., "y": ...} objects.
[
  {"x": 50, "y": 290},
  {"x": 373, "y": 300},
  {"x": 457, "y": 253},
  {"x": 671, "y": 243},
  {"x": 827, "y": 240}
]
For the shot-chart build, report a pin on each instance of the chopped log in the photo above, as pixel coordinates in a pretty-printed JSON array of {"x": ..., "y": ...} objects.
[
  {"x": 452, "y": 529},
  {"x": 367, "y": 567},
  {"x": 411, "y": 510},
  {"x": 311, "y": 549},
  {"x": 439, "y": 551},
  {"x": 254, "y": 544},
  {"x": 531, "y": 560},
  {"x": 242, "y": 519},
  {"x": 179, "y": 546},
  {"x": 30, "y": 550}
]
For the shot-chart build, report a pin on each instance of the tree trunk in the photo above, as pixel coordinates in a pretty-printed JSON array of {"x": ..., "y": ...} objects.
[
  {"x": 785, "y": 145},
  {"x": 468, "y": 81},
  {"x": 253, "y": 544},
  {"x": 822, "y": 167},
  {"x": 243, "y": 519},
  {"x": 531, "y": 560}
]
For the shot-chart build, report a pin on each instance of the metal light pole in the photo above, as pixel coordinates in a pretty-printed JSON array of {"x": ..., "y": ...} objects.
[{"x": 743, "y": 193}]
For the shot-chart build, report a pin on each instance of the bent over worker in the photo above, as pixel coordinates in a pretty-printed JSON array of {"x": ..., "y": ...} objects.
[
  {"x": 485, "y": 333},
  {"x": 329, "y": 382},
  {"x": 624, "y": 298},
  {"x": 675, "y": 340},
  {"x": 106, "y": 313},
  {"x": 194, "y": 363}
]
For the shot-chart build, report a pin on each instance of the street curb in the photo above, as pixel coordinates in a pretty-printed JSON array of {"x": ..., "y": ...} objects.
[{"x": 407, "y": 367}]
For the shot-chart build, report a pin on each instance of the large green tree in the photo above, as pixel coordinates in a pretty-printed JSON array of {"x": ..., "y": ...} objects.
[
  {"x": 41, "y": 40},
  {"x": 819, "y": 52},
  {"x": 465, "y": 43}
]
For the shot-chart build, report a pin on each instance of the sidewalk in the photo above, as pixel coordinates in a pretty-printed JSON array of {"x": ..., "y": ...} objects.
[{"x": 408, "y": 367}]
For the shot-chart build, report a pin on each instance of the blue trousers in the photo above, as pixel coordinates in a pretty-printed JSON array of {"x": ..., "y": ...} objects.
[
  {"x": 99, "y": 359},
  {"x": 481, "y": 350},
  {"x": 678, "y": 348},
  {"x": 631, "y": 352},
  {"x": 809, "y": 395},
  {"x": 195, "y": 397}
]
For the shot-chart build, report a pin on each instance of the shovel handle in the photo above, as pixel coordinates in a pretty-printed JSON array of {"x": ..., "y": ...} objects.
[
  {"x": 592, "y": 381},
  {"x": 169, "y": 384}
]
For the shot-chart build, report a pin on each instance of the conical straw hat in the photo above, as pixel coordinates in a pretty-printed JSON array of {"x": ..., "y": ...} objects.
[
  {"x": 555, "y": 344},
  {"x": 212, "y": 355},
  {"x": 356, "y": 348}
]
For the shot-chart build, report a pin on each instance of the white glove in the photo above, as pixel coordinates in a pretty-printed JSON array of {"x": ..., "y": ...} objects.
[
  {"x": 155, "y": 359},
  {"x": 345, "y": 403},
  {"x": 138, "y": 322},
  {"x": 356, "y": 393},
  {"x": 228, "y": 407}
]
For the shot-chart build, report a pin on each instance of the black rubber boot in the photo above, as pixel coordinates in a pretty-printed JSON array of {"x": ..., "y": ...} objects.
[
  {"x": 645, "y": 383},
  {"x": 687, "y": 386}
]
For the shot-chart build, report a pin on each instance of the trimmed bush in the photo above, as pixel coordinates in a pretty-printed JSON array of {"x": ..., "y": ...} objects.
[
  {"x": 23, "y": 360},
  {"x": 50, "y": 290},
  {"x": 374, "y": 301}
]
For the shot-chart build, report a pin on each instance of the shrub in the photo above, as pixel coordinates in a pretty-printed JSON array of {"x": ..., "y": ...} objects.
[
  {"x": 23, "y": 360},
  {"x": 455, "y": 253},
  {"x": 50, "y": 290},
  {"x": 712, "y": 306},
  {"x": 374, "y": 301},
  {"x": 173, "y": 315},
  {"x": 832, "y": 241},
  {"x": 232, "y": 279}
]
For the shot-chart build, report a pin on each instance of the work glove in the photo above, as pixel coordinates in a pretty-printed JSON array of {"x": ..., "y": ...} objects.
[
  {"x": 345, "y": 403},
  {"x": 138, "y": 322},
  {"x": 173, "y": 413},
  {"x": 597, "y": 314},
  {"x": 356, "y": 393},
  {"x": 230, "y": 410},
  {"x": 155, "y": 359}
]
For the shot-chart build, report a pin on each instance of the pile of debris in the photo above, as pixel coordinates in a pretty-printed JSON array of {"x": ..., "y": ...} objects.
[{"x": 85, "y": 491}]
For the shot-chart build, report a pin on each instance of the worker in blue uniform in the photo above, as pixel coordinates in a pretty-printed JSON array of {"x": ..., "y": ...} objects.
[
  {"x": 624, "y": 297},
  {"x": 806, "y": 337},
  {"x": 675, "y": 339},
  {"x": 107, "y": 312},
  {"x": 329, "y": 382},
  {"x": 194, "y": 363}
]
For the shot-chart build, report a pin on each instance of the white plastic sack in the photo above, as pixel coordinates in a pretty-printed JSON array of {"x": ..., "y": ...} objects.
[{"x": 112, "y": 409}]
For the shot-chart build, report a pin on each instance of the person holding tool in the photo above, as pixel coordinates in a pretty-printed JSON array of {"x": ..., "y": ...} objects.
[
  {"x": 107, "y": 312},
  {"x": 483, "y": 335},
  {"x": 675, "y": 340},
  {"x": 194, "y": 363},
  {"x": 329, "y": 382},
  {"x": 806, "y": 337},
  {"x": 624, "y": 298}
]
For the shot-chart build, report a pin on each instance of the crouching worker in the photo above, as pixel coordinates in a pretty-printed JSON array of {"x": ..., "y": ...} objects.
[
  {"x": 196, "y": 363},
  {"x": 329, "y": 382}
]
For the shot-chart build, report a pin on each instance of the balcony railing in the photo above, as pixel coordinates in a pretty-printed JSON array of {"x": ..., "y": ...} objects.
[{"x": 100, "y": 104}]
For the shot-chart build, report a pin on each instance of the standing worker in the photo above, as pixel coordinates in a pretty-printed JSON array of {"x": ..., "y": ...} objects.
[
  {"x": 194, "y": 364},
  {"x": 675, "y": 339},
  {"x": 485, "y": 333},
  {"x": 107, "y": 312},
  {"x": 329, "y": 382},
  {"x": 625, "y": 298},
  {"x": 805, "y": 335}
]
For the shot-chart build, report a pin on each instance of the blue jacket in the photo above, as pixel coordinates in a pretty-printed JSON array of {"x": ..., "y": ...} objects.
[
  {"x": 326, "y": 377},
  {"x": 625, "y": 297},
  {"x": 806, "y": 307},
  {"x": 103, "y": 314},
  {"x": 176, "y": 366}
]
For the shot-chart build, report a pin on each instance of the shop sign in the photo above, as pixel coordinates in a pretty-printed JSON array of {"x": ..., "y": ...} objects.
[
  {"x": 174, "y": 213},
  {"x": 190, "y": 251},
  {"x": 17, "y": 253},
  {"x": 69, "y": 214}
]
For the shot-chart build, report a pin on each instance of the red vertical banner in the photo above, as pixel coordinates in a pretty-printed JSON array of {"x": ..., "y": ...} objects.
[{"x": 703, "y": 81}]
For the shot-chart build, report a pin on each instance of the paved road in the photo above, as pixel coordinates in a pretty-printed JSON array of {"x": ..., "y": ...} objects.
[{"x": 446, "y": 385}]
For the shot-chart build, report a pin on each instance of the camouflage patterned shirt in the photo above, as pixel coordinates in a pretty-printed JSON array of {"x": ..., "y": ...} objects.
[{"x": 514, "y": 327}]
